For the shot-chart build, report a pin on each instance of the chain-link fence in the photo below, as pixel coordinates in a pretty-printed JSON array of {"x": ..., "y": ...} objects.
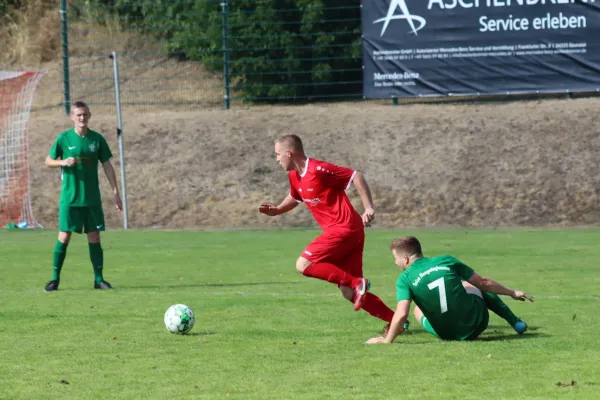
[{"x": 210, "y": 53}]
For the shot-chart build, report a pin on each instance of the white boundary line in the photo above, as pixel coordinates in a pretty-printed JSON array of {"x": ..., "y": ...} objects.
[
  {"x": 197, "y": 291},
  {"x": 558, "y": 297}
]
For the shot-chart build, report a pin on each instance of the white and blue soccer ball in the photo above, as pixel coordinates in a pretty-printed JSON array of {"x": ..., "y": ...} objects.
[{"x": 179, "y": 318}]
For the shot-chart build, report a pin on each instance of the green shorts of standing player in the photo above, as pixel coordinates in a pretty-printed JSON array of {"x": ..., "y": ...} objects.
[
  {"x": 77, "y": 152},
  {"x": 452, "y": 301}
]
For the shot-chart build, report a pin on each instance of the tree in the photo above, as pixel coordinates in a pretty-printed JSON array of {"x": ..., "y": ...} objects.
[{"x": 279, "y": 50}]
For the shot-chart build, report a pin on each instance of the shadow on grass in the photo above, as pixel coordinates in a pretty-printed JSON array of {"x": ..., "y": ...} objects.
[
  {"x": 500, "y": 333},
  {"x": 202, "y": 285},
  {"x": 491, "y": 334},
  {"x": 198, "y": 334},
  {"x": 508, "y": 327},
  {"x": 514, "y": 336}
]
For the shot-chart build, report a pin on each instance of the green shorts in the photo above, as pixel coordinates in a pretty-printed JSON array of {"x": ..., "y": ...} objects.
[
  {"x": 80, "y": 219},
  {"x": 474, "y": 331}
]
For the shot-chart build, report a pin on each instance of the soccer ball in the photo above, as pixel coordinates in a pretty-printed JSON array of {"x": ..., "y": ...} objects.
[{"x": 179, "y": 318}]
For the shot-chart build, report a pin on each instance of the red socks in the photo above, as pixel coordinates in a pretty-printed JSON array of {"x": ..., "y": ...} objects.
[
  {"x": 376, "y": 307},
  {"x": 330, "y": 273}
]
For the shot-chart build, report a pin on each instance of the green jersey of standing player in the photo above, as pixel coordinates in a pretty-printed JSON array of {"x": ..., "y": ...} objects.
[
  {"x": 451, "y": 300},
  {"x": 78, "y": 152}
]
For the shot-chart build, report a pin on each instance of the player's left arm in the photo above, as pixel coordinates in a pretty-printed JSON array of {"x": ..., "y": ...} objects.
[
  {"x": 486, "y": 284},
  {"x": 104, "y": 156},
  {"x": 342, "y": 177},
  {"x": 362, "y": 187},
  {"x": 109, "y": 171},
  {"x": 397, "y": 324}
]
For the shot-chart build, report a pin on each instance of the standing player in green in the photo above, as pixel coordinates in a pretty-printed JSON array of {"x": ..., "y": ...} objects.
[
  {"x": 77, "y": 152},
  {"x": 452, "y": 301}
]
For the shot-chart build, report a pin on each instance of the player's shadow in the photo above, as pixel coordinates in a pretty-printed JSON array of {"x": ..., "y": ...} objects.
[
  {"x": 501, "y": 333},
  {"x": 205, "y": 285},
  {"x": 199, "y": 334}
]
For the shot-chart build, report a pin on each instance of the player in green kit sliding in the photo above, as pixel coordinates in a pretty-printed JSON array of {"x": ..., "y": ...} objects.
[
  {"x": 77, "y": 152},
  {"x": 452, "y": 301}
]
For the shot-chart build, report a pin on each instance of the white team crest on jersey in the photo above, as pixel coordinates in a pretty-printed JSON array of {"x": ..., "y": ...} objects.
[{"x": 92, "y": 147}]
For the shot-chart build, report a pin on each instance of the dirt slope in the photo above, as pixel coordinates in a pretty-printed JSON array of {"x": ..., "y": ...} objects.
[{"x": 521, "y": 163}]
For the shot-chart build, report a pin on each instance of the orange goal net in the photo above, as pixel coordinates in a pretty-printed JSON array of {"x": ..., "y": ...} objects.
[{"x": 16, "y": 95}]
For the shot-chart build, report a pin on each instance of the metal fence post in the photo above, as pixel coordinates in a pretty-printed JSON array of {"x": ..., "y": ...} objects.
[
  {"x": 225, "y": 6},
  {"x": 65, "y": 55},
  {"x": 113, "y": 56}
]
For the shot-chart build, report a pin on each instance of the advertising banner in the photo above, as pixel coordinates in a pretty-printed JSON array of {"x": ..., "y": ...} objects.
[{"x": 415, "y": 48}]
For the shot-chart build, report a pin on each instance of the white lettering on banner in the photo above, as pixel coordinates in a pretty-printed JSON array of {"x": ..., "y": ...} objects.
[
  {"x": 509, "y": 24},
  {"x": 451, "y": 4},
  {"x": 411, "y": 78},
  {"x": 399, "y": 10},
  {"x": 396, "y": 75},
  {"x": 559, "y": 22},
  {"x": 548, "y": 22}
]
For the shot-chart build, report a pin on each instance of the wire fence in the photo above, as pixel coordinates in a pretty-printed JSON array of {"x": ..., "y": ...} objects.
[
  {"x": 176, "y": 54},
  {"x": 211, "y": 53}
]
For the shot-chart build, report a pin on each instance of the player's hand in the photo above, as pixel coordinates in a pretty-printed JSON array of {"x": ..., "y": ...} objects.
[
  {"x": 368, "y": 216},
  {"x": 375, "y": 340},
  {"x": 521, "y": 296},
  {"x": 268, "y": 209},
  {"x": 118, "y": 203},
  {"x": 69, "y": 162}
]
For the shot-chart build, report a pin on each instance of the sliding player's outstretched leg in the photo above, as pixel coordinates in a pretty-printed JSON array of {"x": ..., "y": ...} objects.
[{"x": 495, "y": 304}]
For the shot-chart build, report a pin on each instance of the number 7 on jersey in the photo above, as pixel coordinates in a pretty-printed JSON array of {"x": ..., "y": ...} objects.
[{"x": 439, "y": 283}]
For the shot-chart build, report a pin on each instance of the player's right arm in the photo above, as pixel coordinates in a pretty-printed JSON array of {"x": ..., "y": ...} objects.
[
  {"x": 489, "y": 285},
  {"x": 288, "y": 204},
  {"x": 52, "y": 163},
  {"x": 54, "y": 157}
]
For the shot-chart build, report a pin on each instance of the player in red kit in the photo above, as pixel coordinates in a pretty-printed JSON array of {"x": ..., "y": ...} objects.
[{"x": 336, "y": 255}]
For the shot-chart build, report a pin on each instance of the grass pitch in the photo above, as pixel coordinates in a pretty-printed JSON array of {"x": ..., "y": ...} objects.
[{"x": 263, "y": 331}]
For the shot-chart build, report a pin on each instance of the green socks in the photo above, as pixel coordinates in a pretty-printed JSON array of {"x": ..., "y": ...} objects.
[
  {"x": 60, "y": 253},
  {"x": 496, "y": 305},
  {"x": 58, "y": 259},
  {"x": 97, "y": 258}
]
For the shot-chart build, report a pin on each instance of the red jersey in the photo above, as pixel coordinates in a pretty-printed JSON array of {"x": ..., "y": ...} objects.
[{"x": 322, "y": 188}]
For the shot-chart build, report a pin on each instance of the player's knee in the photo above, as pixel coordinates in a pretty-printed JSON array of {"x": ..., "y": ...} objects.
[
  {"x": 93, "y": 237},
  {"x": 301, "y": 264},
  {"x": 466, "y": 284},
  {"x": 469, "y": 288},
  {"x": 64, "y": 237},
  {"x": 473, "y": 290}
]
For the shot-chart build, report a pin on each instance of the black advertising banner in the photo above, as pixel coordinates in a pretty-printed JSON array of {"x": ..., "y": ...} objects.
[{"x": 417, "y": 48}]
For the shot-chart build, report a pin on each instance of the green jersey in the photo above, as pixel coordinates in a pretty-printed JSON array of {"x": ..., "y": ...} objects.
[
  {"x": 435, "y": 285},
  {"x": 80, "y": 186}
]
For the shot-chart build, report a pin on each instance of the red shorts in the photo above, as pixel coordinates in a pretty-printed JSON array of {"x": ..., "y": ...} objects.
[{"x": 344, "y": 249}]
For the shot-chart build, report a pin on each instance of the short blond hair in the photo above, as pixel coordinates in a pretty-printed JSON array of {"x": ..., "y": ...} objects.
[
  {"x": 408, "y": 245},
  {"x": 291, "y": 142}
]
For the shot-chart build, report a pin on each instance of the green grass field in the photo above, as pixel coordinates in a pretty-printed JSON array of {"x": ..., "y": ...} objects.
[{"x": 263, "y": 331}]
